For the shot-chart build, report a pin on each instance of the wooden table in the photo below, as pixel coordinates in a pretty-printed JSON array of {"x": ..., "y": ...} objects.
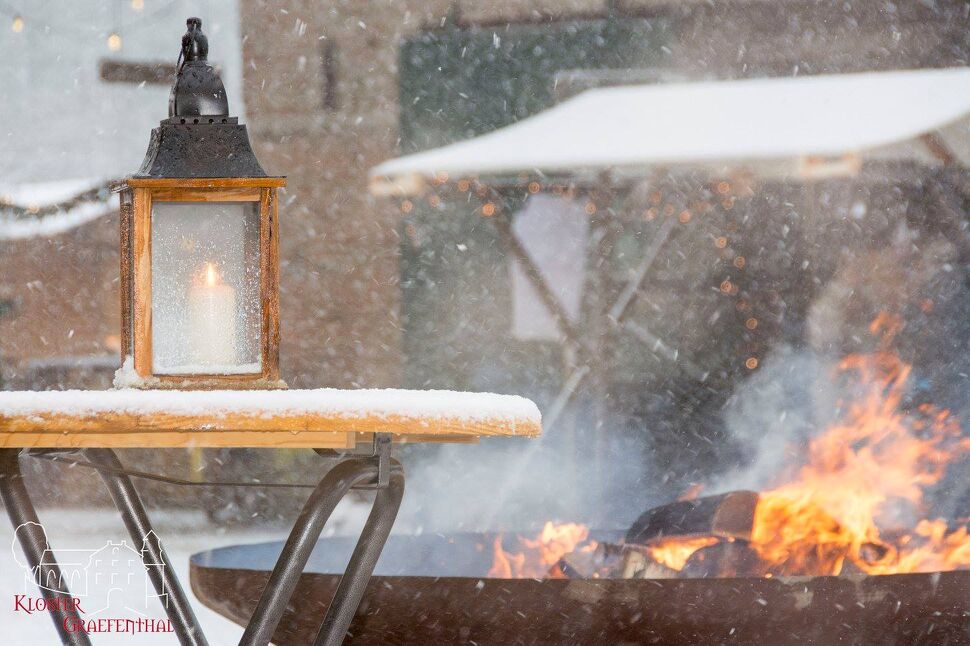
[{"x": 83, "y": 428}]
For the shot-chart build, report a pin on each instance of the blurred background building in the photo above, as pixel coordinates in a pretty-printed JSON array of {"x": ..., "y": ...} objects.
[
  {"x": 372, "y": 296},
  {"x": 330, "y": 89}
]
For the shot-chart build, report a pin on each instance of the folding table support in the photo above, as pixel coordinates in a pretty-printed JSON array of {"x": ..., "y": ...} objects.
[
  {"x": 33, "y": 540},
  {"x": 139, "y": 527},
  {"x": 376, "y": 470}
]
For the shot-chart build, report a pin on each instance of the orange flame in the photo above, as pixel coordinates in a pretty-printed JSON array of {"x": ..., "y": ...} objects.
[
  {"x": 211, "y": 275},
  {"x": 555, "y": 541},
  {"x": 541, "y": 553},
  {"x": 505, "y": 565},
  {"x": 674, "y": 552},
  {"x": 879, "y": 456}
]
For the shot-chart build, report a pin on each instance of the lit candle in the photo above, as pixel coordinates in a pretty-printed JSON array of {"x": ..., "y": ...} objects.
[{"x": 212, "y": 322}]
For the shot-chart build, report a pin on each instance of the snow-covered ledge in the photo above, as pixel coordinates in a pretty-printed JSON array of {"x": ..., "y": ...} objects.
[{"x": 320, "y": 418}]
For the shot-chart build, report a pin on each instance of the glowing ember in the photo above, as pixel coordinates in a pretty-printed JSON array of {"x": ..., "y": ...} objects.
[
  {"x": 541, "y": 553},
  {"x": 674, "y": 552}
]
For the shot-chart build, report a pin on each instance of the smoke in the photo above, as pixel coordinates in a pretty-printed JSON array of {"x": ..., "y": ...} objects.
[
  {"x": 576, "y": 472},
  {"x": 799, "y": 392},
  {"x": 591, "y": 468},
  {"x": 775, "y": 413}
]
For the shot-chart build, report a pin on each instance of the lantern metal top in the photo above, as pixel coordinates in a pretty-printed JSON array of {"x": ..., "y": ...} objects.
[
  {"x": 199, "y": 138},
  {"x": 198, "y": 90}
]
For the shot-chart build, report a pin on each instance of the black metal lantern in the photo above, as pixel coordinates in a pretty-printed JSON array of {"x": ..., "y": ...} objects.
[{"x": 199, "y": 250}]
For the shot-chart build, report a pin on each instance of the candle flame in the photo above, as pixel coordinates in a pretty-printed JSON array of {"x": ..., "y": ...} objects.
[{"x": 211, "y": 276}]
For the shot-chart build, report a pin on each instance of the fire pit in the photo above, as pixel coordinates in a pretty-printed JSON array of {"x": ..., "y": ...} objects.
[
  {"x": 435, "y": 589},
  {"x": 823, "y": 556}
]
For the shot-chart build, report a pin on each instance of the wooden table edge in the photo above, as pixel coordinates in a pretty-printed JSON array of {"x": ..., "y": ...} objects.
[{"x": 166, "y": 430}]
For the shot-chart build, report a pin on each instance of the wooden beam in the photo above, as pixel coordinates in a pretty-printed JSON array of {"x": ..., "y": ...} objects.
[
  {"x": 160, "y": 439},
  {"x": 192, "y": 194},
  {"x": 205, "y": 182},
  {"x": 270, "y": 283},
  {"x": 633, "y": 287},
  {"x": 938, "y": 148},
  {"x": 148, "y": 72},
  {"x": 141, "y": 268},
  {"x": 126, "y": 215}
]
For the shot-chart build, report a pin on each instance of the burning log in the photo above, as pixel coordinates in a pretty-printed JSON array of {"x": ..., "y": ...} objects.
[
  {"x": 729, "y": 515},
  {"x": 586, "y": 563},
  {"x": 663, "y": 539},
  {"x": 637, "y": 565},
  {"x": 719, "y": 536},
  {"x": 724, "y": 559}
]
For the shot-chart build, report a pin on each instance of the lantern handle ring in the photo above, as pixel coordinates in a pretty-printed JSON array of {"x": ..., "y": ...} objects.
[{"x": 195, "y": 45}]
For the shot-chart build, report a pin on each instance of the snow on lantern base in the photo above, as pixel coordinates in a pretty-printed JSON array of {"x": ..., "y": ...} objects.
[{"x": 127, "y": 377}]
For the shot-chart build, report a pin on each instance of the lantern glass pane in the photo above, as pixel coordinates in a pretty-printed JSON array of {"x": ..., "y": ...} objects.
[{"x": 205, "y": 288}]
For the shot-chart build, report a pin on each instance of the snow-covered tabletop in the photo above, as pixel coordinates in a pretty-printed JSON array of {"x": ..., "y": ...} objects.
[{"x": 321, "y": 418}]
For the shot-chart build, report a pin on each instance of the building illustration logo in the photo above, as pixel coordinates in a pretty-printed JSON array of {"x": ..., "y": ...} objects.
[{"x": 114, "y": 575}]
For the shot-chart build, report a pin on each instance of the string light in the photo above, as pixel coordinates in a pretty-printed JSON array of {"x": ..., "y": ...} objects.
[
  {"x": 488, "y": 210},
  {"x": 412, "y": 234},
  {"x": 751, "y": 363},
  {"x": 17, "y": 25},
  {"x": 137, "y": 5},
  {"x": 114, "y": 42}
]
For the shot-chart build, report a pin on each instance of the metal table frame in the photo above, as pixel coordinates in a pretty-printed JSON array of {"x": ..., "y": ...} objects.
[{"x": 370, "y": 467}]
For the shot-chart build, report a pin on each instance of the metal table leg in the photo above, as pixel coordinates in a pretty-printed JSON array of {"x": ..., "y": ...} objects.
[
  {"x": 303, "y": 538},
  {"x": 33, "y": 540},
  {"x": 378, "y": 471},
  {"x": 354, "y": 582},
  {"x": 164, "y": 579}
]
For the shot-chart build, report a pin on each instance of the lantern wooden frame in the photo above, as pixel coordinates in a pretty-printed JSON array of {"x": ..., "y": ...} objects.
[{"x": 137, "y": 197}]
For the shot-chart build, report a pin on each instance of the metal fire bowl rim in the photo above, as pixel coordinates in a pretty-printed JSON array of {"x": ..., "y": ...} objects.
[{"x": 462, "y": 555}]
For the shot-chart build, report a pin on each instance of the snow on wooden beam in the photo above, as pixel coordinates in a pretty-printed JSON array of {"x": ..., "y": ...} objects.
[
  {"x": 772, "y": 127},
  {"x": 321, "y": 418}
]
